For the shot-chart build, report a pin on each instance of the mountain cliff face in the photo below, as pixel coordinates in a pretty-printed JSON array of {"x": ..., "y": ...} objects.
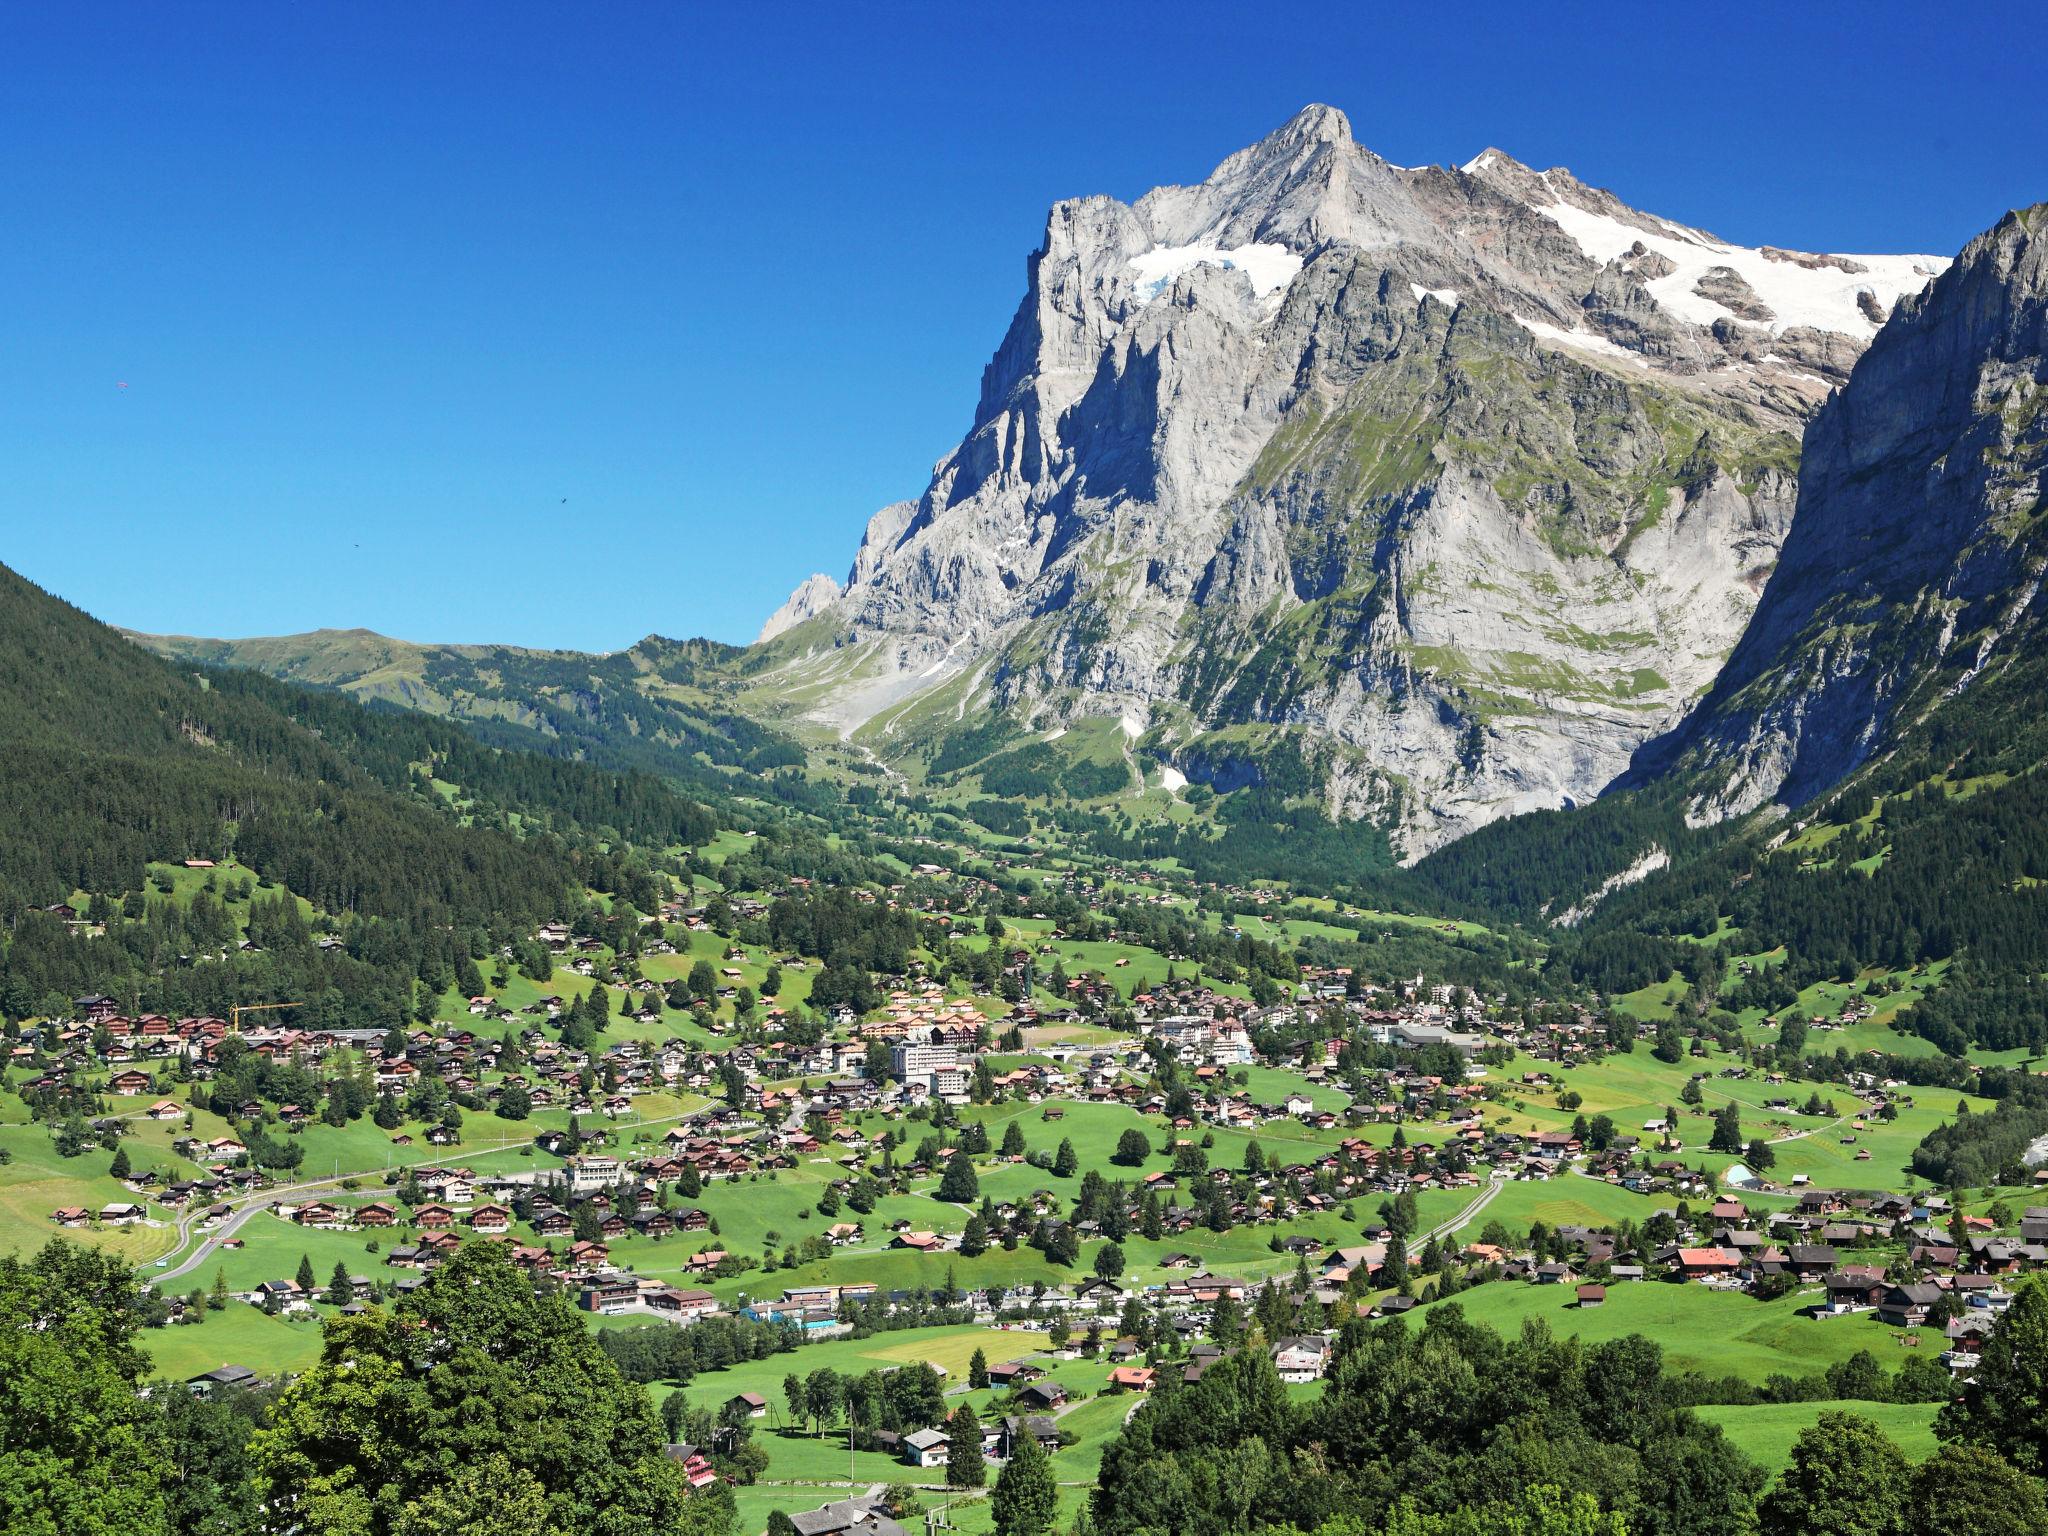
[
  {"x": 1912, "y": 572},
  {"x": 1439, "y": 491}
]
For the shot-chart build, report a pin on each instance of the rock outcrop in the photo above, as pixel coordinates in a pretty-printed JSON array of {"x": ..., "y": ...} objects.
[{"x": 813, "y": 595}]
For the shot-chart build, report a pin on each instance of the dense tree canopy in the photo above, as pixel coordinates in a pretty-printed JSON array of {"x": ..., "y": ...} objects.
[{"x": 474, "y": 1405}]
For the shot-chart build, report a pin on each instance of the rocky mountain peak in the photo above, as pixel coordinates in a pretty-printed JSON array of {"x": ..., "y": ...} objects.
[
  {"x": 1460, "y": 483},
  {"x": 1315, "y": 123}
]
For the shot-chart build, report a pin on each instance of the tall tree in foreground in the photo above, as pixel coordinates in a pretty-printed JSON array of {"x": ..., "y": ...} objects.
[
  {"x": 1847, "y": 1478},
  {"x": 1026, "y": 1499},
  {"x": 79, "y": 1450},
  {"x": 208, "y": 1443},
  {"x": 2005, "y": 1404},
  {"x": 1966, "y": 1490},
  {"x": 964, "y": 1466},
  {"x": 476, "y": 1406}
]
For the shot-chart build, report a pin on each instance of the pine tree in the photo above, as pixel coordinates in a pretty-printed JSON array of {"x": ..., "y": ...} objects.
[
  {"x": 1066, "y": 1160},
  {"x": 1026, "y": 1497},
  {"x": 958, "y": 1184},
  {"x": 305, "y": 1275},
  {"x": 964, "y": 1466}
]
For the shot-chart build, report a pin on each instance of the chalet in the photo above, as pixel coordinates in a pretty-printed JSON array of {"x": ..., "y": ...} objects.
[
  {"x": 849, "y": 1517},
  {"x": 697, "y": 1472},
  {"x": 609, "y": 1295},
  {"x": 1340, "y": 1264},
  {"x": 1014, "y": 1428},
  {"x": 1705, "y": 1263},
  {"x": 1132, "y": 1378},
  {"x": 925, "y": 1448},
  {"x": 1301, "y": 1359},
  {"x": 686, "y": 1306},
  {"x": 1592, "y": 1295},
  {"x": 1044, "y": 1395},
  {"x": 1013, "y": 1373},
  {"x": 752, "y": 1404},
  {"x": 1810, "y": 1261},
  {"x": 1908, "y": 1306},
  {"x": 222, "y": 1378}
]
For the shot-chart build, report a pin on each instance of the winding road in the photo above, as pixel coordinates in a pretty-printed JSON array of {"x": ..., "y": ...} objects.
[{"x": 263, "y": 1200}]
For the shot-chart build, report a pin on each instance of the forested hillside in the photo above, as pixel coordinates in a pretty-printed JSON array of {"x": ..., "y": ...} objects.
[
  {"x": 415, "y": 839},
  {"x": 653, "y": 707}
]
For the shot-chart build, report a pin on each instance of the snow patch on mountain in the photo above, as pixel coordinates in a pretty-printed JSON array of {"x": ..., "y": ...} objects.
[
  {"x": 1270, "y": 267},
  {"x": 1820, "y": 292},
  {"x": 1582, "y": 341}
]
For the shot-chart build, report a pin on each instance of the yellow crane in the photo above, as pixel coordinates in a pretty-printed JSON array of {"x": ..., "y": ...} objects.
[{"x": 236, "y": 1011}]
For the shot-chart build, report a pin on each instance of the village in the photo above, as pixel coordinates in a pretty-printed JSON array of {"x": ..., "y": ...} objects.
[{"x": 1124, "y": 1170}]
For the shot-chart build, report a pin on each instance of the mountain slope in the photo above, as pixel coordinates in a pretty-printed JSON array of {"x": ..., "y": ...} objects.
[
  {"x": 657, "y": 707},
  {"x": 1445, "y": 488},
  {"x": 111, "y": 757},
  {"x": 1862, "y": 794},
  {"x": 1912, "y": 572}
]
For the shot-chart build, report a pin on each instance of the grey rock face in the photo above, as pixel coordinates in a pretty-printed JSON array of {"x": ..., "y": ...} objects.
[
  {"x": 813, "y": 595},
  {"x": 1458, "y": 480},
  {"x": 1914, "y": 561}
]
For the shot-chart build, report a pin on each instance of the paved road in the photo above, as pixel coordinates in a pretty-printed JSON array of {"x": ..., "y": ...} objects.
[
  {"x": 1465, "y": 1218},
  {"x": 265, "y": 1199}
]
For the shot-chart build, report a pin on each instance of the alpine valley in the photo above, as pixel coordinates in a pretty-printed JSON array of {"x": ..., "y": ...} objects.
[{"x": 1410, "y": 899}]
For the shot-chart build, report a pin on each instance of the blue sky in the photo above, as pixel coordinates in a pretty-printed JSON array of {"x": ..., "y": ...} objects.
[{"x": 561, "y": 326}]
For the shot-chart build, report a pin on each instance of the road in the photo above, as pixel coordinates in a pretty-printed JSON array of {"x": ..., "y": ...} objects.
[
  {"x": 1495, "y": 1182},
  {"x": 263, "y": 1200}
]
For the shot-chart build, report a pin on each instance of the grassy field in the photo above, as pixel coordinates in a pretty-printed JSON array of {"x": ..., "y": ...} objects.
[
  {"x": 1719, "y": 1333},
  {"x": 948, "y": 1349},
  {"x": 238, "y": 1335},
  {"x": 1765, "y": 1431}
]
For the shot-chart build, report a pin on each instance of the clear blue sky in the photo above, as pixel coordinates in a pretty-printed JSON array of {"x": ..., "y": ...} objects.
[{"x": 387, "y": 285}]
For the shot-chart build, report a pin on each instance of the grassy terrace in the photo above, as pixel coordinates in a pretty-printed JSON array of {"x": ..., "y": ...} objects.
[{"x": 1718, "y": 1333}]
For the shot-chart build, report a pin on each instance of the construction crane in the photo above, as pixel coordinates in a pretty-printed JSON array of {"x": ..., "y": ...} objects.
[{"x": 236, "y": 1011}]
